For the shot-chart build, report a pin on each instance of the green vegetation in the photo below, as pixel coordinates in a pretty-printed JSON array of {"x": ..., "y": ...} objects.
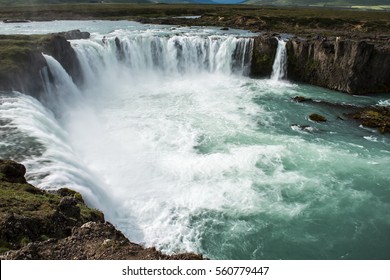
[
  {"x": 15, "y": 48},
  {"x": 26, "y": 199},
  {"x": 30, "y": 214}
]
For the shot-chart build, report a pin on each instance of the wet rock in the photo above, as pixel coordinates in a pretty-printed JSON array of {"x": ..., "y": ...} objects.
[
  {"x": 299, "y": 99},
  {"x": 12, "y": 172},
  {"x": 74, "y": 35},
  {"x": 352, "y": 66},
  {"x": 317, "y": 118},
  {"x": 263, "y": 55},
  {"x": 21, "y": 60},
  {"x": 68, "y": 206},
  {"x": 375, "y": 117}
]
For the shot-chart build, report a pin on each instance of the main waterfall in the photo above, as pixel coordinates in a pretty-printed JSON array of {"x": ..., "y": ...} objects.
[
  {"x": 173, "y": 54},
  {"x": 147, "y": 158}
]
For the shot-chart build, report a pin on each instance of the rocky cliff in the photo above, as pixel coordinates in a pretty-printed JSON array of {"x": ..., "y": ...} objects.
[
  {"x": 263, "y": 55},
  {"x": 35, "y": 224},
  {"x": 346, "y": 65},
  {"x": 21, "y": 59},
  {"x": 352, "y": 66}
]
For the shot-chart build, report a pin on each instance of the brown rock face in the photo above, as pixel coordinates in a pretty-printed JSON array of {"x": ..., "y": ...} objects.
[
  {"x": 12, "y": 172},
  {"x": 355, "y": 67},
  {"x": 21, "y": 59},
  {"x": 264, "y": 50},
  {"x": 93, "y": 241}
]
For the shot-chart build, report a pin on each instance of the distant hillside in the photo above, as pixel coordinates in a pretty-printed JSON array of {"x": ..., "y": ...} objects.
[
  {"x": 321, "y": 3},
  {"x": 372, "y": 4},
  {"x": 37, "y": 2}
]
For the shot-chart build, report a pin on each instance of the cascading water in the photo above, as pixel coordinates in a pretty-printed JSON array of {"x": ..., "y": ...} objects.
[
  {"x": 279, "y": 68},
  {"x": 182, "y": 151}
]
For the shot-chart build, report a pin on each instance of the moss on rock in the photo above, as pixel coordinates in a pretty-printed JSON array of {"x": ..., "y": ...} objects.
[{"x": 375, "y": 117}]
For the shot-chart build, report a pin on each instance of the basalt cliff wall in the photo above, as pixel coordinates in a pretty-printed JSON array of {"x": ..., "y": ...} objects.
[
  {"x": 352, "y": 66},
  {"x": 21, "y": 59},
  {"x": 346, "y": 65}
]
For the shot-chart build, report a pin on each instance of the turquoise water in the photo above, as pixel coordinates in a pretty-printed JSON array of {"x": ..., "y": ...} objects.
[{"x": 195, "y": 156}]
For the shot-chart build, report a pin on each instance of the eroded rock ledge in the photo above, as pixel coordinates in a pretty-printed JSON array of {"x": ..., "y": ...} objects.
[
  {"x": 342, "y": 64},
  {"x": 35, "y": 224},
  {"x": 21, "y": 59}
]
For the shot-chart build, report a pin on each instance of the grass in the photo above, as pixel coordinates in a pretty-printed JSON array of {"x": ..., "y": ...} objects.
[
  {"x": 34, "y": 209},
  {"x": 25, "y": 199},
  {"x": 14, "y": 50}
]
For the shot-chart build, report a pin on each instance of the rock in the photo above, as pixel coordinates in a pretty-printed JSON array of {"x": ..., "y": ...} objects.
[
  {"x": 263, "y": 55},
  {"x": 58, "y": 47},
  {"x": 375, "y": 117},
  {"x": 300, "y": 99},
  {"x": 68, "y": 207},
  {"x": 224, "y": 28},
  {"x": 68, "y": 192},
  {"x": 74, "y": 35},
  {"x": 21, "y": 60},
  {"x": 352, "y": 66},
  {"x": 12, "y": 172},
  {"x": 317, "y": 118},
  {"x": 93, "y": 241}
]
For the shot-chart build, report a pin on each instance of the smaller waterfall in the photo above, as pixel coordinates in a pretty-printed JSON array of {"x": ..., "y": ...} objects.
[
  {"x": 279, "y": 68},
  {"x": 59, "y": 89}
]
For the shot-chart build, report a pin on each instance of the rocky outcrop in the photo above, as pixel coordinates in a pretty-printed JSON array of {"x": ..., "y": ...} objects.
[
  {"x": 374, "y": 117},
  {"x": 35, "y": 224},
  {"x": 21, "y": 59},
  {"x": 352, "y": 66},
  {"x": 263, "y": 55}
]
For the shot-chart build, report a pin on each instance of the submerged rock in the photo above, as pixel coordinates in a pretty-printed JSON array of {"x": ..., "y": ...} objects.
[
  {"x": 35, "y": 224},
  {"x": 317, "y": 118},
  {"x": 300, "y": 99}
]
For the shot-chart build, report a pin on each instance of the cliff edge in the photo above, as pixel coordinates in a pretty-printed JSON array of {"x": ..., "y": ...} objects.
[{"x": 35, "y": 224}]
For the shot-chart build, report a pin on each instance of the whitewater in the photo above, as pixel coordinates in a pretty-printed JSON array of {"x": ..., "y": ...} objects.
[{"x": 182, "y": 150}]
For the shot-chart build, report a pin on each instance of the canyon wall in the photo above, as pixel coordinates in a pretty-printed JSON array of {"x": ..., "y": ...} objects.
[
  {"x": 21, "y": 59},
  {"x": 352, "y": 66}
]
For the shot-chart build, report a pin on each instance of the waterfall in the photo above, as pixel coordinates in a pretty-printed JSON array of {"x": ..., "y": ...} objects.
[
  {"x": 59, "y": 89},
  {"x": 279, "y": 68},
  {"x": 164, "y": 55}
]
